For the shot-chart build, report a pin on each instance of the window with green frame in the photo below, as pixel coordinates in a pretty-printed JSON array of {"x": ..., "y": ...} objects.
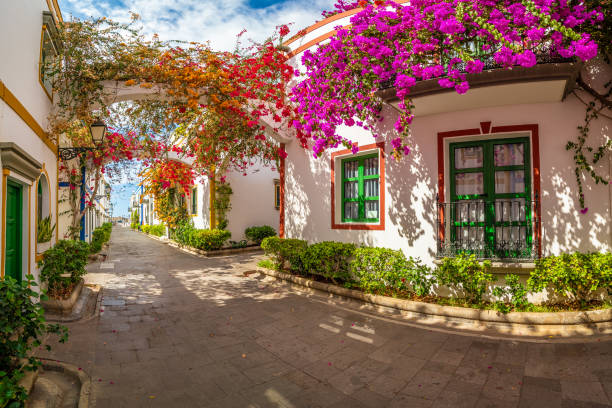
[
  {"x": 360, "y": 189},
  {"x": 491, "y": 207},
  {"x": 194, "y": 201}
]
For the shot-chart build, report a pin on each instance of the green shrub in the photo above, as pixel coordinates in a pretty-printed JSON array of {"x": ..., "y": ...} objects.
[
  {"x": 382, "y": 270},
  {"x": 45, "y": 230},
  {"x": 135, "y": 220},
  {"x": 420, "y": 277},
  {"x": 183, "y": 232},
  {"x": 329, "y": 259},
  {"x": 100, "y": 236},
  {"x": 266, "y": 263},
  {"x": 257, "y": 234},
  {"x": 516, "y": 293},
  {"x": 157, "y": 230},
  {"x": 379, "y": 270},
  {"x": 146, "y": 228},
  {"x": 22, "y": 328},
  {"x": 285, "y": 251},
  {"x": 466, "y": 273},
  {"x": 67, "y": 257},
  {"x": 577, "y": 275},
  {"x": 209, "y": 239}
]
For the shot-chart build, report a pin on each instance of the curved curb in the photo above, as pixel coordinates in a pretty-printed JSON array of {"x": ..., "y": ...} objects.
[
  {"x": 73, "y": 371},
  {"x": 593, "y": 322},
  {"x": 201, "y": 252}
]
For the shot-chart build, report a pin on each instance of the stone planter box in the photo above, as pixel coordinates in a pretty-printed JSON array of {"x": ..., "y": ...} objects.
[
  {"x": 63, "y": 306},
  {"x": 538, "y": 324},
  {"x": 216, "y": 252}
]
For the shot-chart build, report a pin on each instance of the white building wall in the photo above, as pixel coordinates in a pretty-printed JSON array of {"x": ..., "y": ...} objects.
[
  {"x": 20, "y": 42},
  {"x": 252, "y": 201},
  {"x": 411, "y": 184}
]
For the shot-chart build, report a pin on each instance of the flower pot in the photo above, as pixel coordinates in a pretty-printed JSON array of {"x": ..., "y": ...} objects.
[{"x": 42, "y": 247}]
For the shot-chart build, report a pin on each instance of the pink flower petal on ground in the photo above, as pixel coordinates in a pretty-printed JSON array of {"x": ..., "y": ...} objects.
[
  {"x": 80, "y": 368},
  {"x": 489, "y": 367},
  {"x": 329, "y": 363}
]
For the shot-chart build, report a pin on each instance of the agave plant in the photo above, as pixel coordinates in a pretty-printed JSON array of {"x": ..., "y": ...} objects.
[{"x": 45, "y": 230}]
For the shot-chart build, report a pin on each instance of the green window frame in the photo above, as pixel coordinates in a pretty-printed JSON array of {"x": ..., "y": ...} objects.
[
  {"x": 500, "y": 214},
  {"x": 194, "y": 201},
  {"x": 277, "y": 195},
  {"x": 357, "y": 171}
]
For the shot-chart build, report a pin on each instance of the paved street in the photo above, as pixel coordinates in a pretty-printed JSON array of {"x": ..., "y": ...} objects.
[{"x": 182, "y": 331}]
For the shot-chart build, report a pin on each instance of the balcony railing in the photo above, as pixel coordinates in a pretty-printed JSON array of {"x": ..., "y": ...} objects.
[
  {"x": 503, "y": 229},
  {"x": 543, "y": 57}
]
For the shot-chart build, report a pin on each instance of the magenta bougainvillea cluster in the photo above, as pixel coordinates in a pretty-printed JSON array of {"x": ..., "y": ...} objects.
[{"x": 422, "y": 40}]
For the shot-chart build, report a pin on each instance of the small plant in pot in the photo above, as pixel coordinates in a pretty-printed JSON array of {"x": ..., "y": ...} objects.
[
  {"x": 44, "y": 234},
  {"x": 63, "y": 266}
]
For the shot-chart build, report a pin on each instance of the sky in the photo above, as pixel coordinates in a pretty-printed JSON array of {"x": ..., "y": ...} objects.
[
  {"x": 120, "y": 198},
  {"x": 215, "y": 21}
]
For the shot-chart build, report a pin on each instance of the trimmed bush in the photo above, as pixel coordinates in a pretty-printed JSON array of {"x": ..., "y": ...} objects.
[
  {"x": 466, "y": 273},
  {"x": 577, "y": 275},
  {"x": 157, "y": 230},
  {"x": 209, "y": 239},
  {"x": 257, "y": 234},
  {"x": 204, "y": 239},
  {"x": 285, "y": 251},
  {"x": 329, "y": 259},
  {"x": 100, "y": 236},
  {"x": 66, "y": 257},
  {"x": 382, "y": 270},
  {"x": 22, "y": 329}
]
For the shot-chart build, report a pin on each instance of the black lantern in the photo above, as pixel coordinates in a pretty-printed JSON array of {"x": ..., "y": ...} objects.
[{"x": 97, "y": 131}]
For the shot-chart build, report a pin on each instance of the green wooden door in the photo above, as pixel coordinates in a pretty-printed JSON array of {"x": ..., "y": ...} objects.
[{"x": 13, "y": 238}]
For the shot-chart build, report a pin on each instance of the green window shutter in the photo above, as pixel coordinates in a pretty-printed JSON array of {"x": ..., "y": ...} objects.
[
  {"x": 490, "y": 188},
  {"x": 361, "y": 189},
  {"x": 194, "y": 201}
]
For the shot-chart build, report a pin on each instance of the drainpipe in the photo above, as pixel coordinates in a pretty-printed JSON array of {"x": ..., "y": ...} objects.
[
  {"x": 82, "y": 207},
  {"x": 212, "y": 189},
  {"x": 141, "y": 206}
]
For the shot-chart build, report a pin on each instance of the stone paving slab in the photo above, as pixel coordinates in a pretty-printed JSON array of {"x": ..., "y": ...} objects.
[{"x": 176, "y": 330}]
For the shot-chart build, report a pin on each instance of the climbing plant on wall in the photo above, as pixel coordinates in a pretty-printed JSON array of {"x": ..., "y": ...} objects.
[{"x": 396, "y": 45}]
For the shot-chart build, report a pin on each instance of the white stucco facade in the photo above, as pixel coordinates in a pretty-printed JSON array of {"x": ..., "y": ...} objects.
[
  {"x": 27, "y": 155},
  {"x": 540, "y": 108}
]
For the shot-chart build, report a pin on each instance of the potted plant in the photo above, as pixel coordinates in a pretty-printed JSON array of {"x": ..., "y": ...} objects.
[{"x": 44, "y": 234}]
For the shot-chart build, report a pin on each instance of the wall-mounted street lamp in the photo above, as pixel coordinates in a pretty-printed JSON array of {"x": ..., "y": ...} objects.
[{"x": 97, "y": 131}]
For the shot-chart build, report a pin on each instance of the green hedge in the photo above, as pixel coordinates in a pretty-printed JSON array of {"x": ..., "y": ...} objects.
[
  {"x": 329, "y": 259},
  {"x": 577, "y": 275},
  {"x": 387, "y": 271},
  {"x": 383, "y": 270},
  {"x": 157, "y": 230},
  {"x": 205, "y": 239},
  {"x": 258, "y": 234},
  {"x": 100, "y": 236},
  {"x": 285, "y": 253}
]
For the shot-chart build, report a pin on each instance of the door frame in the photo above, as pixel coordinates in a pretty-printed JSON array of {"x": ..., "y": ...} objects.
[{"x": 12, "y": 183}]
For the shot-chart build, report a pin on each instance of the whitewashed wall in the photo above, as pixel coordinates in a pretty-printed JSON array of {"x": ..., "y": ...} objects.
[{"x": 20, "y": 33}]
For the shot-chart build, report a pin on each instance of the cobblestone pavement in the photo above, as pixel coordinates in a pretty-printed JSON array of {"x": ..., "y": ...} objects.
[{"x": 182, "y": 331}]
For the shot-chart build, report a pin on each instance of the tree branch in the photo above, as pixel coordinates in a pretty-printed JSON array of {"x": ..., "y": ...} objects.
[{"x": 601, "y": 98}]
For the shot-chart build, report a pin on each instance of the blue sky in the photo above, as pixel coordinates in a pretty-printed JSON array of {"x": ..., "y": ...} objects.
[
  {"x": 217, "y": 21},
  {"x": 120, "y": 197}
]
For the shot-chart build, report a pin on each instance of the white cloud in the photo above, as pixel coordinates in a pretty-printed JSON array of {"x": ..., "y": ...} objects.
[{"x": 203, "y": 20}]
